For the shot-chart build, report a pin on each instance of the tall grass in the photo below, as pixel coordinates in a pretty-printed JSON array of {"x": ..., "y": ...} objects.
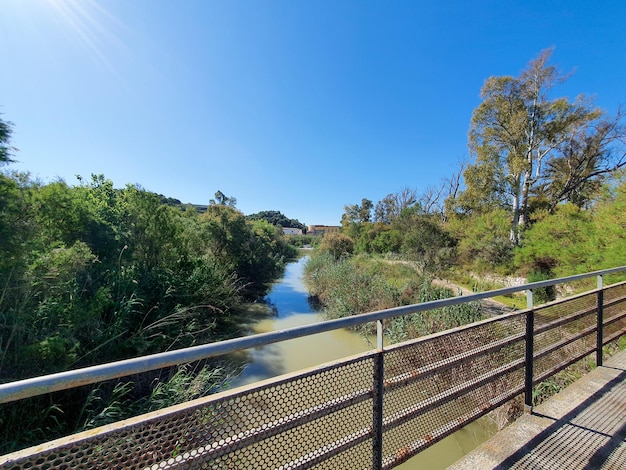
[
  {"x": 185, "y": 384},
  {"x": 51, "y": 416},
  {"x": 351, "y": 286}
]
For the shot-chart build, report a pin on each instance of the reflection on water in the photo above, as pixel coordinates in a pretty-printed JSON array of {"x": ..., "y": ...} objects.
[
  {"x": 300, "y": 353},
  {"x": 289, "y": 304},
  {"x": 288, "y": 307},
  {"x": 289, "y": 296}
]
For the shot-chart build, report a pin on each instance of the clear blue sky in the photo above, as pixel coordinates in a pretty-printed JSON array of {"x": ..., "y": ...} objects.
[{"x": 297, "y": 106}]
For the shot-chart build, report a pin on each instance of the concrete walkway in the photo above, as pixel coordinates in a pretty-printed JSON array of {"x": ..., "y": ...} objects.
[{"x": 582, "y": 427}]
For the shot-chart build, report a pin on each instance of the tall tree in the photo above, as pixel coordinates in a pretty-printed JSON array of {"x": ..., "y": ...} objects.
[
  {"x": 389, "y": 208},
  {"x": 356, "y": 214},
  {"x": 365, "y": 211},
  {"x": 515, "y": 133},
  {"x": 586, "y": 157},
  {"x": 223, "y": 200},
  {"x": 6, "y": 150}
]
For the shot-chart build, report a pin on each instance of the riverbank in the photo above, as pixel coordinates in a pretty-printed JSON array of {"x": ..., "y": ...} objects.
[
  {"x": 490, "y": 307},
  {"x": 287, "y": 306}
]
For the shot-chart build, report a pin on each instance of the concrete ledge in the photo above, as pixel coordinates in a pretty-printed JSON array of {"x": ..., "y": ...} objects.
[{"x": 583, "y": 426}]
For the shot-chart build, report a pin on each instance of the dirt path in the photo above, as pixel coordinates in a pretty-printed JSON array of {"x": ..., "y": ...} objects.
[{"x": 491, "y": 308}]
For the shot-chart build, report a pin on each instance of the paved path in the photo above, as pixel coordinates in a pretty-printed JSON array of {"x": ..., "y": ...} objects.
[{"x": 582, "y": 427}]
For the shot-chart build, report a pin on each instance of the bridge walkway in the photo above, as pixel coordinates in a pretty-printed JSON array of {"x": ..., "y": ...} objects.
[{"x": 582, "y": 427}]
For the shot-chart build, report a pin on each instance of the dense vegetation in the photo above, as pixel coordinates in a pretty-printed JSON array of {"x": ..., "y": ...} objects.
[
  {"x": 350, "y": 285},
  {"x": 277, "y": 218},
  {"x": 543, "y": 195},
  {"x": 98, "y": 273},
  {"x": 91, "y": 274}
]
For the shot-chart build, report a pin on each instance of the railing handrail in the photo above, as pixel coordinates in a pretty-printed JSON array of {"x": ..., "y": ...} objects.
[{"x": 35, "y": 386}]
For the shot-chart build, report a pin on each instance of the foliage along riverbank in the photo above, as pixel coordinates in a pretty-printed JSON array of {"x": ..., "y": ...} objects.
[
  {"x": 542, "y": 195},
  {"x": 350, "y": 285},
  {"x": 92, "y": 274}
]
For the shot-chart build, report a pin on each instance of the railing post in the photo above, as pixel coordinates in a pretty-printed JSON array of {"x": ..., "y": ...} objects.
[
  {"x": 528, "y": 376},
  {"x": 379, "y": 390},
  {"x": 600, "y": 324}
]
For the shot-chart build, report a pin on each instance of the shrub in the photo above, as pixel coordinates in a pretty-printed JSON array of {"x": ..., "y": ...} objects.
[{"x": 337, "y": 245}]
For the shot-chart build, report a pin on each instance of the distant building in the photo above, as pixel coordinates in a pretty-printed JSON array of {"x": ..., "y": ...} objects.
[
  {"x": 292, "y": 231},
  {"x": 322, "y": 229},
  {"x": 200, "y": 208}
]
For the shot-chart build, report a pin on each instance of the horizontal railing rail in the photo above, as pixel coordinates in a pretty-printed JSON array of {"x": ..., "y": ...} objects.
[
  {"x": 375, "y": 409},
  {"x": 99, "y": 373}
]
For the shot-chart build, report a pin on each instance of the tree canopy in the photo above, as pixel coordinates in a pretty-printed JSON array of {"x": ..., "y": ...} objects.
[
  {"x": 277, "y": 218},
  {"x": 6, "y": 150},
  {"x": 223, "y": 200},
  {"x": 529, "y": 148}
]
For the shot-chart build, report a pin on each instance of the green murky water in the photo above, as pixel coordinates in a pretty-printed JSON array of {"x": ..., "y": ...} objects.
[{"x": 290, "y": 308}]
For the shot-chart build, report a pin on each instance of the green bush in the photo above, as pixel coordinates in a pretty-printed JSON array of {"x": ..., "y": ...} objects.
[
  {"x": 360, "y": 284},
  {"x": 542, "y": 295},
  {"x": 337, "y": 245},
  {"x": 91, "y": 274}
]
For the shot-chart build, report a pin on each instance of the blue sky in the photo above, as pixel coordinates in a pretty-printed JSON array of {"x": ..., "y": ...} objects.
[{"x": 295, "y": 106}]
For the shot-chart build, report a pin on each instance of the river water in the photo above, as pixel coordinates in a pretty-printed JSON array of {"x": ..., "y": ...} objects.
[{"x": 289, "y": 307}]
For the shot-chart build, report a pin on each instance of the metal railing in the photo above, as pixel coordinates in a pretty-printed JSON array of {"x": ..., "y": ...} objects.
[{"x": 372, "y": 410}]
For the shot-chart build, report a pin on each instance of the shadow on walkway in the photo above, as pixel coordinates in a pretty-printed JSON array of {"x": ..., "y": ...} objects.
[
  {"x": 586, "y": 437},
  {"x": 581, "y": 427}
]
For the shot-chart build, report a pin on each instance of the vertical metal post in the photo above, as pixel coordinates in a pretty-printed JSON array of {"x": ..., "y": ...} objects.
[
  {"x": 528, "y": 376},
  {"x": 600, "y": 324},
  {"x": 379, "y": 390}
]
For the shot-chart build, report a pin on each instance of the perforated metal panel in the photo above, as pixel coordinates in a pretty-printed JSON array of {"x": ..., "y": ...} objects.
[
  {"x": 564, "y": 330},
  {"x": 436, "y": 386},
  {"x": 318, "y": 417},
  {"x": 615, "y": 307},
  {"x": 325, "y": 417}
]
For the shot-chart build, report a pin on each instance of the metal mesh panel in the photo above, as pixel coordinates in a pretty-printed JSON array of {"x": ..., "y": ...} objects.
[
  {"x": 566, "y": 326},
  {"x": 435, "y": 386},
  {"x": 556, "y": 310},
  {"x": 615, "y": 294},
  {"x": 324, "y": 417},
  {"x": 300, "y": 419}
]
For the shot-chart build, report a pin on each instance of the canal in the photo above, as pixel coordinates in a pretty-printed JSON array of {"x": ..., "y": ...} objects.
[{"x": 287, "y": 307}]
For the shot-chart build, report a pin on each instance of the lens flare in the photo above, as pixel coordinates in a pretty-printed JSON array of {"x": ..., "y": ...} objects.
[{"x": 92, "y": 27}]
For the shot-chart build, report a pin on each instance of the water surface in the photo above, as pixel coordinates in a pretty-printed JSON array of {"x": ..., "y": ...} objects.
[{"x": 288, "y": 307}]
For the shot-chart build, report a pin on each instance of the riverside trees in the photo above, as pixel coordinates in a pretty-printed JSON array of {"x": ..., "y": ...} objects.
[
  {"x": 401, "y": 226},
  {"x": 531, "y": 150},
  {"x": 91, "y": 274},
  {"x": 536, "y": 160}
]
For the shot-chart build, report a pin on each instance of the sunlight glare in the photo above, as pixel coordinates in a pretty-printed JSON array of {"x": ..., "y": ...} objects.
[{"x": 91, "y": 26}]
